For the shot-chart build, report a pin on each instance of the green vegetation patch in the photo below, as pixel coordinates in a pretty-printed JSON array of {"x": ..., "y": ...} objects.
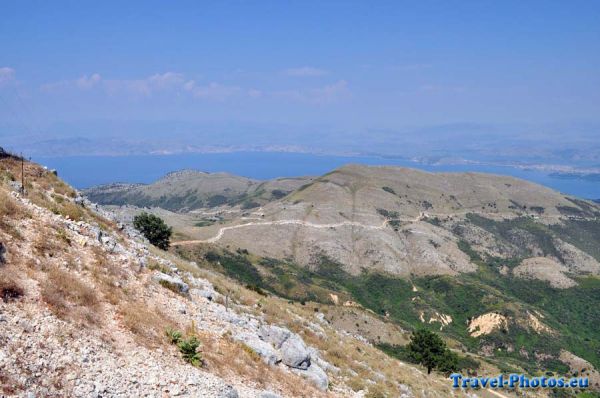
[
  {"x": 188, "y": 347},
  {"x": 427, "y": 348},
  {"x": 217, "y": 200},
  {"x": 249, "y": 204},
  {"x": 573, "y": 314},
  {"x": 278, "y": 193},
  {"x": 204, "y": 223},
  {"x": 239, "y": 267},
  {"x": 154, "y": 229},
  {"x": 521, "y": 233},
  {"x": 583, "y": 234},
  {"x": 388, "y": 213},
  {"x": 433, "y": 221}
]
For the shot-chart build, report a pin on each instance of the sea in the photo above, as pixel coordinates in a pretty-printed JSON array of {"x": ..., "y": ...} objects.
[{"x": 87, "y": 171}]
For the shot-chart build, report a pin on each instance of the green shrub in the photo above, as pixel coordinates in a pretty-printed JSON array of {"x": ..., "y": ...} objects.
[
  {"x": 466, "y": 248},
  {"x": 154, "y": 229},
  {"x": 217, "y": 200},
  {"x": 188, "y": 347},
  {"x": 173, "y": 335},
  {"x": 391, "y": 214},
  {"x": 448, "y": 362},
  {"x": 256, "y": 289},
  {"x": 212, "y": 257},
  {"x": 237, "y": 266},
  {"x": 521, "y": 232},
  {"x": 189, "y": 350},
  {"x": 278, "y": 193},
  {"x": 396, "y": 351},
  {"x": 250, "y": 204},
  {"x": 583, "y": 234},
  {"x": 433, "y": 221},
  {"x": 428, "y": 349},
  {"x": 467, "y": 363},
  {"x": 204, "y": 223}
]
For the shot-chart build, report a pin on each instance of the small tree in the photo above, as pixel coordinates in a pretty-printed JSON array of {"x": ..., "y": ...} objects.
[
  {"x": 428, "y": 349},
  {"x": 189, "y": 350},
  {"x": 154, "y": 229},
  {"x": 187, "y": 346}
]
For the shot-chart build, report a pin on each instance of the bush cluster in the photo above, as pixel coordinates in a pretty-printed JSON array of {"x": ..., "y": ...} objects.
[
  {"x": 154, "y": 229},
  {"x": 188, "y": 347}
]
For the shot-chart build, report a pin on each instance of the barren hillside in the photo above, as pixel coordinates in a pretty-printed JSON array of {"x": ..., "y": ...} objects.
[
  {"x": 89, "y": 309},
  {"x": 401, "y": 221}
]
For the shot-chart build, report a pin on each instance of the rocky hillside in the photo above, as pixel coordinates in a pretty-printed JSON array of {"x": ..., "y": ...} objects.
[
  {"x": 89, "y": 309},
  {"x": 403, "y": 221},
  {"x": 505, "y": 268},
  {"x": 189, "y": 190}
]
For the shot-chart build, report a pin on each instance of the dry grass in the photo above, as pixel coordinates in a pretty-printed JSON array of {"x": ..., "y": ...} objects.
[
  {"x": 6, "y": 175},
  {"x": 10, "y": 209},
  {"x": 356, "y": 383},
  {"x": 35, "y": 177},
  {"x": 10, "y": 288},
  {"x": 9, "y": 206},
  {"x": 40, "y": 199},
  {"x": 60, "y": 187},
  {"x": 71, "y": 210},
  {"x": 154, "y": 265},
  {"x": 237, "y": 293},
  {"x": 69, "y": 298},
  {"x": 362, "y": 364},
  {"x": 45, "y": 244},
  {"x": 44, "y": 189},
  {"x": 110, "y": 278},
  {"x": 103, "y": 266},
  {"x": 171, "y": 286},
  {"x": 148, "y": 325},
  {"x": 61, "y": 235},
  {"x": 103, "y": 223},
  {"x": 228, "y": 358}
]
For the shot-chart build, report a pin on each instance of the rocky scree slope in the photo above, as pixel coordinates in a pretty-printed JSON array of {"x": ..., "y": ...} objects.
[{"x": 82, "y": 311}]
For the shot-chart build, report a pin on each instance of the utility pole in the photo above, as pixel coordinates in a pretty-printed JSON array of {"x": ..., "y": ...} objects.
[{"x": 22, "y": 174}]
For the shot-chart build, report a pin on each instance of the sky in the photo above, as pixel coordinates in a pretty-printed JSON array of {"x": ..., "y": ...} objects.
[{"x": 296, "y": 68}]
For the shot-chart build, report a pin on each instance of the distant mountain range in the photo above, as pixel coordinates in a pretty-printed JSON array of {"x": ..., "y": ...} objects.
[
  {"x": 191, "y": 190},
  {"x": 573, "y": 145}
]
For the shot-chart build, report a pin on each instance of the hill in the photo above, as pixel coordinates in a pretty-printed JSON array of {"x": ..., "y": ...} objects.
[
  {"x": 505, "y": 268},
  {"x": 405, "y": 222},
  {"x": 190, "y": 190}
]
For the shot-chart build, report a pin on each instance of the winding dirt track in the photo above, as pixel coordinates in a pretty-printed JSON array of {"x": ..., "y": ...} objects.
[
  {"x": 303, "y": 223},
  {"x": 222, "y": 230}
]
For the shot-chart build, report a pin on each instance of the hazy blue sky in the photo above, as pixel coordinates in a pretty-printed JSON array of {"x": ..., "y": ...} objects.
[{"x": 302, "y": 64}]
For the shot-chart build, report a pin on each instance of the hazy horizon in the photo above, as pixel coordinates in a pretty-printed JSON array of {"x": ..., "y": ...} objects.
[{"x": 509, "y": 81}]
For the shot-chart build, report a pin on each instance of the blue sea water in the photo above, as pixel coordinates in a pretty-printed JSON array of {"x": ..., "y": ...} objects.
[{"x": 86, "y": 171}]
